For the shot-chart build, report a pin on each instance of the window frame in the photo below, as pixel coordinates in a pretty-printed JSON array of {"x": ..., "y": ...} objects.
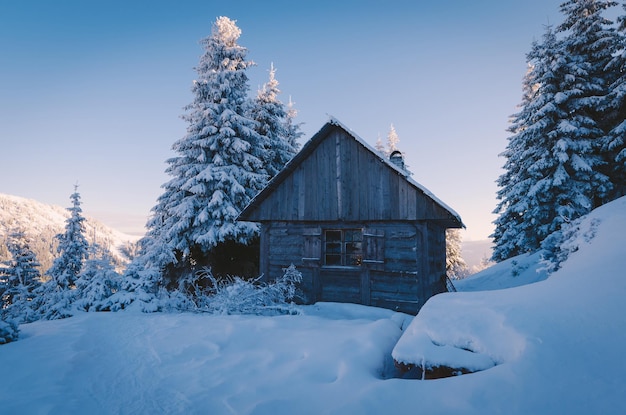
[{"x": 344, "y": 248}]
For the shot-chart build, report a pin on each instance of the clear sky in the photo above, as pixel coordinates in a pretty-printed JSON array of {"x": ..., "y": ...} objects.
[{"x": 91, "y": 92}]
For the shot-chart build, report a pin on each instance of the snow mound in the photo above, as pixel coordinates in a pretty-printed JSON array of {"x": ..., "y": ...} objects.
[
  {"x": 476, "y": 339},
  {"x": 554, "y": 327}
]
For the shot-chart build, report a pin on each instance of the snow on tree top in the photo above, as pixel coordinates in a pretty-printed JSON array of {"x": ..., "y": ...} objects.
[{"x": 227, "y": 30}]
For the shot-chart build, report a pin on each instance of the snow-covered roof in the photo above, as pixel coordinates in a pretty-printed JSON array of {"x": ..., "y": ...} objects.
[{"x": 310, "y": 145}]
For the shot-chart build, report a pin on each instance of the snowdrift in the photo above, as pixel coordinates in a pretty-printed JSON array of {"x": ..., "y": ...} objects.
[
  {"x": 554, "y": 346},
  {"x": 564, "y": 336}
]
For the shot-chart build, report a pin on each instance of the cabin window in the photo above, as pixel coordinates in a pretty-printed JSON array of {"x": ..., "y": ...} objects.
[{"x": 343, "y": 247}]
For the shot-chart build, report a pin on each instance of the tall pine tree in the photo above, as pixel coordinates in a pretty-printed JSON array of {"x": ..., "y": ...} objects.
[
  {"x": 589, "y": 41},
  {"x": 219, "y": 163},
  {"x": 392, "y": 140},
  {"x": 294, "y": 129},
  {"x": 72, "y": 249},
  {"x": 379, "y": 146},
  {"x": 556, "y": 168},
  {"x": 273, "y": 126},
  {"x": 529, "y": 162},
  {"x": 614, "y": 145},
  {"x": 55, "y": 298}
]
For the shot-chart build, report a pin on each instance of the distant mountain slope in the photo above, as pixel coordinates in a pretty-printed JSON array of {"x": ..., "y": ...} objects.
[{"x": 41, "y": 222}]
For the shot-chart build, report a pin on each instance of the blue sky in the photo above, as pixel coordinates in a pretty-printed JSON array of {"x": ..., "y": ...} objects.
[{"x": 91, "y": 92}]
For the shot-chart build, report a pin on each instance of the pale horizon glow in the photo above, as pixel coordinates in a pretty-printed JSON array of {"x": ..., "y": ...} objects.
[{"x": 93, "y": 93}]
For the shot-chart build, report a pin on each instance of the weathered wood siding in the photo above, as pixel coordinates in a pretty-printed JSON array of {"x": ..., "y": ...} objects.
[
  {"x": 437, "y": 258},
  {"x": 340, "y": 285},
  {"x": 337, "y": 181},
  {"x": 342, "y": 180},
  {"x": 402, "y": 263}
]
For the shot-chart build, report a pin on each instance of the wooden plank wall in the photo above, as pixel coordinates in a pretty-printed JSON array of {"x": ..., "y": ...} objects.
[
  {"x": 286, "y": 246},
  {"x": 342, "y": 180},
  {"x": 414, "y": 260},
  {"x": 437, "y": 258},
  {"x": 339, "y": 285},
  {"x": 400, "y": 285}
]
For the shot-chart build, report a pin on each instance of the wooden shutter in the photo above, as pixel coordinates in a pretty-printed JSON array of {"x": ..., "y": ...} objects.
[
  {"x": 374, "y": 249},
  {"x": 312, "y": 252}
]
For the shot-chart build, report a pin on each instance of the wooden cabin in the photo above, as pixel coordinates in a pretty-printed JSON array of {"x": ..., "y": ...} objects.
[{"x": 354, "y": 223}]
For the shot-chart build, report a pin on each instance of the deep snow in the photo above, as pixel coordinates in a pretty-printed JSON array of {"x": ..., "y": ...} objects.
[{"x": 553, "y": 346}]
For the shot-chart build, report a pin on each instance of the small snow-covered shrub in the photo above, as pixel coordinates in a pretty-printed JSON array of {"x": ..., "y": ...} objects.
[
  {"x": 97, "y": 281},
  {"x": 518, "y": 268},
  {"x": 238, "y": 296},
  {"x": 178, "y": 301},
  {"x": 8, "y": 332},
  {"x": 139, "y": 287},
  {"x": 53, "y": 302},
  {"x": 560, "y": 244}
]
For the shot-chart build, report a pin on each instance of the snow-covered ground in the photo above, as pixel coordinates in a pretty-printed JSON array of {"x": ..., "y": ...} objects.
[{"x": 556, "y": 346}]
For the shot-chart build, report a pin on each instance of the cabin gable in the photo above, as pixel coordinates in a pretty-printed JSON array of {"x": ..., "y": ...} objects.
[{"x": 341, "y": 179}]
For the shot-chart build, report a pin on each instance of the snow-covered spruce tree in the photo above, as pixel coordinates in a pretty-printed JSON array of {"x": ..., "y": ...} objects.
[
  {"x": 294, "y": 129},
  {"x": 97, "y": 281},
  {"x": 57, "y": 294},
  {"x": 272, "y": 125},
  {"x": 20, "y": 278},
  {"x": 589, "y": 41},
  {"x": 554, "y": 169},
  {"x": 73, "y": 247},
  {"x": 219, "y": 163},
  {"x": 529, "y": 153},
  {"x": 456, "y": 268},
  {"x": 380, "y": 147},
  {"x": 511, "y": 205},
  {"x": 614, "y": 145},
  {"x": 392, "y": 140}
]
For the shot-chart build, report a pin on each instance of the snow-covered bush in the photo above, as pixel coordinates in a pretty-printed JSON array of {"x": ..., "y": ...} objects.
[
  {"x": 8, "y": 331},
  {"x": 52, "y": 302},
  {"x": 97, "y": 281},
  {"x": 143, "y": 279},
  {"x": 238, "y": 296},
  {"x": 190, "y": 294},
  {"x": 177, "y": 301},
  {"x": 19, "y": 280},
  {"x": 559, "y": 245}
]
